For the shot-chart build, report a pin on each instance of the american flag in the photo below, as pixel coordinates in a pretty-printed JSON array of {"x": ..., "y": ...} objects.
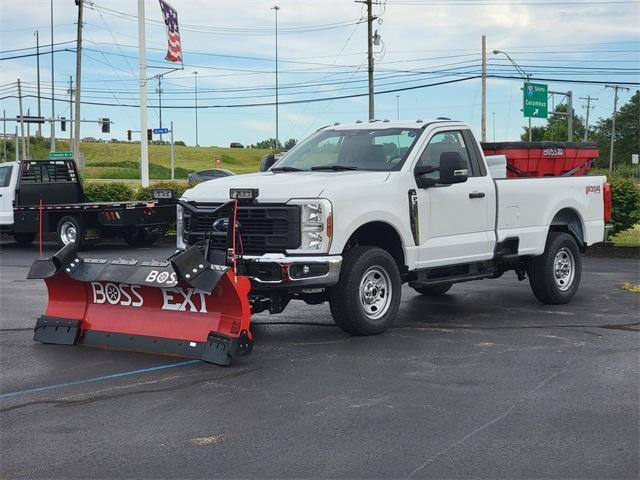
[{"x": 174, "y": 53}]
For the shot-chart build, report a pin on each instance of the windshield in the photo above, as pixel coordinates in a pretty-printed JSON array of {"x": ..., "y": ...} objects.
[{"x": 381, "y": 150}]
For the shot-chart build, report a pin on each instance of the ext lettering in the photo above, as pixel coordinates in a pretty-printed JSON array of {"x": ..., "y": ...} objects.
[{"x": 181, "y": 300}]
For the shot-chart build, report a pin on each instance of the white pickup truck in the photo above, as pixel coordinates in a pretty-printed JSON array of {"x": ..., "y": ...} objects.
[{"x": 354, "y": 211}]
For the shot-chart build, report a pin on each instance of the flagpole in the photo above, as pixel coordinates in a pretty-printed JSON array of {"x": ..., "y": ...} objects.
[{"x": 144, "y": 149}]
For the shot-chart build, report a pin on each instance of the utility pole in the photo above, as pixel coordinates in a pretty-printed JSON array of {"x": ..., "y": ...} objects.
[
  {"x": 195, "y": 79},
  {"x": 483, "y": 122},
  {"x": 569, "y": 116},
  {"x": 28, "y": 151},
  {"x": 76, "y": 126},
  {"x": 53, "y": 92},
  {"x": 4, "y": 135},
  {"x": 159, "y": 92},
  {"x": 70, "y": 92},
  {"x": 24, "y": 148},
  {"x": 142, "y": 52},
  {"x": 588, "y": 106},
  {"x": 38, "y": 68},
  {"x": 372, "y": 115},
  {"x": 397, "y": 107},
  {"x": 613, "y": 121},
  {"x": 17, "y": 144},
  {"x": 276, "y": 8}
]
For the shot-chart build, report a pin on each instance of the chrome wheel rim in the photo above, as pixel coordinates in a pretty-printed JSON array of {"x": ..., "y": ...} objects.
[
  {"x": 375, "y": 292},
  {"x": 68, "y": 233},
  {"x": 564, "y": 269}
]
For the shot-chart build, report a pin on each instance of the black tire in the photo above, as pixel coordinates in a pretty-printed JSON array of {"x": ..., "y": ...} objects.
[
  {"x": 70, "y": 230},
  {"x": 355, "y": 315},
  {"x": 434, "y": 290},
  {"x": 555, "y": 275},
  {"x": 139, "y": 237},
  {"x": 24, "y": 238}
]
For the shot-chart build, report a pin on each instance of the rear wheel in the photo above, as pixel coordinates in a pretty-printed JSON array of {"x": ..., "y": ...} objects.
[
  {"x": 366, "y": 299},
  {"x": 434, "y": 290},
  {"x": 555, "y": 275},
  {"x": 70, "y": 231},
  {"x": 139, "y": 237},
  {"x": 24, "y": 238}
]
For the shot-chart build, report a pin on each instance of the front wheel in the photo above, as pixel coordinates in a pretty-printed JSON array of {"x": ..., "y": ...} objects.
[
  {"x": 555, "y": 275},
  {"x": 23, "y": 238},
  {"x": 366, "y": 299}
]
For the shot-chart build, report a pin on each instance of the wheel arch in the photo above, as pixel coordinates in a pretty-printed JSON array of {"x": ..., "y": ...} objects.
[
  {"x": 568, "y": 220},
  {"x": 383, "y": 235}
]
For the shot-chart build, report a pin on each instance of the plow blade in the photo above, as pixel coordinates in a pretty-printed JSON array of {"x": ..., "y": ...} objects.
[{"x": 185, "y": 306}]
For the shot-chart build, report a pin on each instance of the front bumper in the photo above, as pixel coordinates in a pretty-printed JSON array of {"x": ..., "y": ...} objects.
[{"x": 278, "y": 270}]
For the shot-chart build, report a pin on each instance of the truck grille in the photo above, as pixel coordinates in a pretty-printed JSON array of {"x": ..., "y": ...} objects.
[{"x": 263, "y": 228}]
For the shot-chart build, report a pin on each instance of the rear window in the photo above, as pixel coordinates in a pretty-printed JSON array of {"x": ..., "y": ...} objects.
[
  {"x": 47, "y": 172},
  {"x": 5, "y": 175}
]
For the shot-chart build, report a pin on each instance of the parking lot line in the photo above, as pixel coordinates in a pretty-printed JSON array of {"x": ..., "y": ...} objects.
[{"x": 97, "y": 379}]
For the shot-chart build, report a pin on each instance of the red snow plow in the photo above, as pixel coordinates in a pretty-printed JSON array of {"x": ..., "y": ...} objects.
[{"x": 193, "y": 305}]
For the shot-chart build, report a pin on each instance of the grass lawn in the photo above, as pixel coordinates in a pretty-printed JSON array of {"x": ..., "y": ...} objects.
[
  {"x": 120, "y": 160},
  {"x": 628, "y": 238}
]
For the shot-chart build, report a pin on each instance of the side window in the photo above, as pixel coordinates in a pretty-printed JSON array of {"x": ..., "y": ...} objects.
[
  {"x": 5, "y": 175},
  {"x": 444, "y": 142}
]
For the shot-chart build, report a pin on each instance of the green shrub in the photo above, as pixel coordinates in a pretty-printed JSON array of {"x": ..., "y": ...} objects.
[
  {"x": 146, "y": 193},
  {"x": 108, "y": 192},
  {"x": 625, "y": 199}
]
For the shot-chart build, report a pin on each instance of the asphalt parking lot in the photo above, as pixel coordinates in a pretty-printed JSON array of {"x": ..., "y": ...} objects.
[{"x": 482, "y": 383}]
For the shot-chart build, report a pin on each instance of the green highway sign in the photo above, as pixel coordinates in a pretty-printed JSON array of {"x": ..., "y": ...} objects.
[
  {"x": 534, "y": 100},
  {"x": 61, "y": 154}
]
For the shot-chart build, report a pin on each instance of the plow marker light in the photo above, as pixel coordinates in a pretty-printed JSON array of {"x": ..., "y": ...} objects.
[{"x": 185, "y": 306}]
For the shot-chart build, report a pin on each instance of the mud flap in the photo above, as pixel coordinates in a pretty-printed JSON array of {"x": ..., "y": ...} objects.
[{"x": 185, "y": 306}]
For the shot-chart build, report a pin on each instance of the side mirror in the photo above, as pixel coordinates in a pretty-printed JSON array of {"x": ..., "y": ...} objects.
[
  {"x": 453, "y": 168},
  {"x": 267, "y": 162}
]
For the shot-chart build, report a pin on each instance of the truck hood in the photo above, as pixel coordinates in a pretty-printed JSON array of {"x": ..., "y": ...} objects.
[{"x": 282, "y": 186}]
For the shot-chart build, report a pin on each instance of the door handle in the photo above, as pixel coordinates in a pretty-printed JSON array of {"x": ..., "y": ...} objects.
[{"x": 476, "y": 195}]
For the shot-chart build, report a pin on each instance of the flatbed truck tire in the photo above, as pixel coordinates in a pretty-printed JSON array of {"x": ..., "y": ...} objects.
[
  {"x": 24, "y": 238},
  {"x": 434, "y": 290},
  {"x": 70, "y": 230},
  {"x": 366, "y": 299},
  {"x": 555, "y": 275}
]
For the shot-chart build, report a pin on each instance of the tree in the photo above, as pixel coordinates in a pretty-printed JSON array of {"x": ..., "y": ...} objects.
[
  {"x": 289, "y": 144},
  {"x": 556, "y": 128},
  {"x": 269, "y": 144},
  {"x": 627, "y": 139}
]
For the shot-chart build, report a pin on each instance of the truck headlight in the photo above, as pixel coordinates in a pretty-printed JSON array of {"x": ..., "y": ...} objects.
[
  {"x": 316, "y": 225},
  {"x": 180, "y": 245}
]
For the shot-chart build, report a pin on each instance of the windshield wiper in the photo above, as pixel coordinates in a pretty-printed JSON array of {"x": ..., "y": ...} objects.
[
  {"x": 335, "y": 168},
  {"x": 286, "y": 169}
]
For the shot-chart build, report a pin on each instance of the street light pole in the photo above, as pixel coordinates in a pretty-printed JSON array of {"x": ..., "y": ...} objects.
[
  {"x": 523, "y": 74},
  {"x": 53, "y": 92},
  {"x": 276, "y": 8},
  {"x": 195, "y": 78},
  {"x": 38, "y": 67},
  {"x": 159, "y": 92},
  {"x": 397, "y": 107}
]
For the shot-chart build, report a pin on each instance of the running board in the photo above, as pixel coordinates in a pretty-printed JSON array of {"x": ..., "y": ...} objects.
[{"x": 454, "y": 274}]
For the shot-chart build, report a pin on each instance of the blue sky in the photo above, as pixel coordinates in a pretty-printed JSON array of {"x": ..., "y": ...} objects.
[{"x": 322, "y": 50}]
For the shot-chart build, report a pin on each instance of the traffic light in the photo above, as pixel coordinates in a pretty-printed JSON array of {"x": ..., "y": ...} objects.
[
  {"x": 63, "y": 124},
  {"x": 129, "y": 135},
  {"x": 106, "y": 125},
  {"x": 149, "y": 134}
]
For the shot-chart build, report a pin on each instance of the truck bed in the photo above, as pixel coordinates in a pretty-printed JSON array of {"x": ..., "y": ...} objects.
[{"x": 516, "y": 218}]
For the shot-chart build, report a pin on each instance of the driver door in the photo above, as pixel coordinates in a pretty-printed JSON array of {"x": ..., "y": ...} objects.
[
  {"x": 454, "y": 219},
  {"x": 7, "y": 192}
]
